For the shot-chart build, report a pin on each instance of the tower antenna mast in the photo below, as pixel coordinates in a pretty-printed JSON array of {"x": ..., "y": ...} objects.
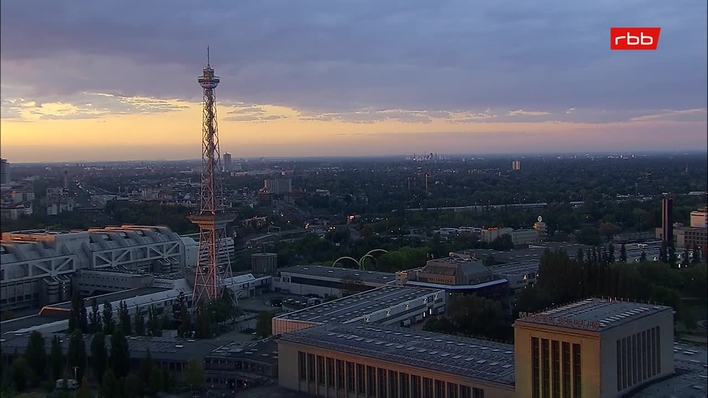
[{"x": 213, "y": 269}]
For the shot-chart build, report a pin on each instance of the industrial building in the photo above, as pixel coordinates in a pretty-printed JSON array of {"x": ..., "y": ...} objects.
[
  {"x": 590, "y": 349},
  {"x": 699, "y": 218},
  {"x": 326, "y": 281},
  {"x": 264, "y": 263},
  {"x": 593, "y": 348},
  {"x": 378, "y": 361},
  {"x": 518, "y": 274},
  {"x": 41, "y": 267},
  {"x": 387, "y": 305}
]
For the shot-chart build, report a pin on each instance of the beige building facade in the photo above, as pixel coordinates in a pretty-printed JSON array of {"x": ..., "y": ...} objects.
[{"x": 595, "y": 349}]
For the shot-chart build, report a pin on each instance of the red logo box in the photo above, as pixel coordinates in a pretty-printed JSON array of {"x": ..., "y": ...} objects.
[{"x": 634, "y": 38}]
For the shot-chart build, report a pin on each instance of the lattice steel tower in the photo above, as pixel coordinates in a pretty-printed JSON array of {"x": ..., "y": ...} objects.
[{"x": 213, "y": 269}]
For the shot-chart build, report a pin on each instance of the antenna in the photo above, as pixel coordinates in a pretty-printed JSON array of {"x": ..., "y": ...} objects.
[{"x": 208, "y": 57}]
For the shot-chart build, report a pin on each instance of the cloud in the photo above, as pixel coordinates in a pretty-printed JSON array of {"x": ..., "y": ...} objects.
[
  {"x": 570, "y": 110},
  {"x": 522, "y": 112},
  {"x": 686, "y": 115},
  {"x": 335, "y": 60}
]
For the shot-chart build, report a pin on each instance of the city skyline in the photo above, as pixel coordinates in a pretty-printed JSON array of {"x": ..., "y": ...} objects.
[{"x": 86, "y": 82}]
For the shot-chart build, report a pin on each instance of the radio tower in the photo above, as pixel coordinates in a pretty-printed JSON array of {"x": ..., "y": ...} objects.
[{"x": 213, "y": 269}]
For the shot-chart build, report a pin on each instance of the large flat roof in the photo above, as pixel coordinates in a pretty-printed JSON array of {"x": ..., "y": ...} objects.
[
  {"x": 594, "y": 314},
  {"x": 358, "y": 305},
  {"x": 264, "y": 351},
  {"x": 160, "y": 347},
  {"x": 467, "y": 357},
  {"x": 323, "y": 271},
  {"x": 516, "y": 268},
  {"x": 113, "y": 297}
]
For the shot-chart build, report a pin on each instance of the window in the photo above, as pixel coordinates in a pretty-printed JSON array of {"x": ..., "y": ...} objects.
[
  {"x": 320, "y": 370},
  {"x": 427, "y": 388},
  {"x": 415, "y": 387},
  {"x": 658, "y": 350},
  {"x": 545, "y": 369},
  {"x": 351, "y": 378},
  {"x": 303, "y": 366},
  {"x": 371, "y": 381},
  {"x": 577, "y": 375},
  {"x": 477, "y": 393},
  {"x": 536, "y": 375},
  {"x": 393, "y": 384},
  {"x": 465, "y": 392},
  {"x": 634, "y": 359},
  {"x": 405, "y": 387},
  {"x": 439, "y": 389},
  {"x": 361, "y": 380},
  {"x": 311, "y": 367},
  {"x": 382, "y": 382},
  {"x": 330, "y": 372},
  {"x": 618, "y": 364},
  {"x": 340, "y": 375},
  {"x": 566, "y": 370},
  {"x": 555, "y": 366},
  {"x": 452, "y": 390}
]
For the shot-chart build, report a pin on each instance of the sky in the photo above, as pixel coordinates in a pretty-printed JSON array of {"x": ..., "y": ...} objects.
[{"x": 87, "y": 80}]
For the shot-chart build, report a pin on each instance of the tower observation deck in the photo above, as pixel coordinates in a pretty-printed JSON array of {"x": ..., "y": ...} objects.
[{"x": 213, "y": 269}]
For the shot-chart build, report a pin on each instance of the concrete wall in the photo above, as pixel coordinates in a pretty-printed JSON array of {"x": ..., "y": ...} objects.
[
  {"x": 589, "y": 351},
  {"x": 288, "y": 359},
  {"x": 664, "y": 321},
  {"x": 282, "y": 326},
  {"x": 598, "y": 353}
]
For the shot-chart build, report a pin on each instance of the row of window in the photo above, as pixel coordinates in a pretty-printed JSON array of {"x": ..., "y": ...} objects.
[
  {"x": 553, "y": 373},
  {"x": 638, "y": 358},
  {"x": 377, "y": 382}
]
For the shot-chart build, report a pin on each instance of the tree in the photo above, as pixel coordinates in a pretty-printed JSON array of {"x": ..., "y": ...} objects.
[
  {"x": 131, "y": 387},
  {"x": 643, "y": 257},
  {"x": 263, "y": 324},
  {"x": 78, "y": 318},
  {"x": 202, "y": 322},
  {"x": 696, "y": 254},
  {"x": 57, "y": 358},
  {"x": 146, "y": 371},
  {"x": 85, "y": 391},
  {"x": 623, "y": 254},
  {"x": 95, "y": 317},
  {"x": 686, "y": 255},
  {"x": 154, "y": 325},
  {"x": 109, "y": 324},
  {"x": 611, "y": 253},
  {"x": 139, "y": 320},
  {"x": 110, "y": 388},
  {"x": 609, "y": 230},
  {"x": 352, "y": 284},
  {"x": 194, "y": 376},
  {"x": 99, "y": 355},
  {"x": 120, "y": 354},
  {"x": 155, "y": 385},
  {"x": 36, "y": 354},
  {"x": 76, "y": 355},
  {"x": 166, "y": 381},
  {"x": 671, "y": 256},
  {"x": 124, "y": 317},
  {"x": 580, "y": 256},
  {"x": 185, "y": 325},
  {"x": 21, "y": 373}
]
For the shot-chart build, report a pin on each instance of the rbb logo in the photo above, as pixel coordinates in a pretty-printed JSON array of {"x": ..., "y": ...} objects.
[{"x": 634, "y": 38}]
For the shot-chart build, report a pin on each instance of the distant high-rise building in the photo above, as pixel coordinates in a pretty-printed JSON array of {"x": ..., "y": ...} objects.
[
  {"x": 279, "y": 186},
  {"x": 4, "y": 171},
  {"x": 667, "y": 220},
  {"x": 699, "y": 218},
  {"x": 516, "y": 165},
  {"x": 227, "y": 161}
]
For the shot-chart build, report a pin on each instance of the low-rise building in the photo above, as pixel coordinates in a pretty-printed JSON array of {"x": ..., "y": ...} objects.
[
  {"x": 387, "y": 305},
  {"x": 324, "y": 281}
]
